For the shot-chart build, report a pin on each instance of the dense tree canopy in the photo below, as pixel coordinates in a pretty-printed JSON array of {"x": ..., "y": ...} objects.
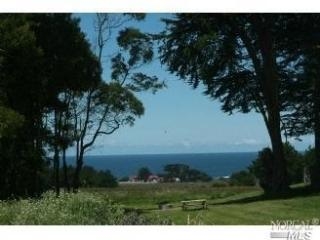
[
  {"x": 246, "y": 61},
  {"x": 22, "y": 100},
  {"x": 52, "y": 95}
]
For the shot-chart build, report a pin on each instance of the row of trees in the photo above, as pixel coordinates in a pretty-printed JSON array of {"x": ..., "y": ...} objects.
[
  {"x": 89, "y": 177},
  {"x": 178, "y": 171},
  {"x": 267, "y": 63},
  {"x": 298, "y": 168},
  {"x": 54, "y": 95}
]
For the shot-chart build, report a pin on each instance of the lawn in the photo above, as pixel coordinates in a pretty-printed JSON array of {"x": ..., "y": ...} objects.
[
  {"x": 226, "y": 205},
  {"x": 138, "y": 204},
  {"x": 147, "y": 196}
]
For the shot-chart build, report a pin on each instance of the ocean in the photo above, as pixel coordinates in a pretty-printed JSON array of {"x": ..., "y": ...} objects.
[{"x": 214, "y": 164}]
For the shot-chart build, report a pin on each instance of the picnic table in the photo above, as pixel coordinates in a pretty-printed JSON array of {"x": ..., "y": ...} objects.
[{"x": 202, "y": 203}]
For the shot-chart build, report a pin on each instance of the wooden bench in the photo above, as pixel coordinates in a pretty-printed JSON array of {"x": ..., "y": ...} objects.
[{"x": 202, "y": 203}]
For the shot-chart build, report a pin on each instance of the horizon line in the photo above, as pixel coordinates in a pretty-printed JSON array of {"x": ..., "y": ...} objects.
[{"x": 181, "y": 153}]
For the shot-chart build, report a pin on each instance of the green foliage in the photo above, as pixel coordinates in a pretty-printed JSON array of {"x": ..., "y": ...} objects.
[
  {"x": 69, "y": 63},
  {"x": 90, "y": 177},
  {"x": 220, "y": 183},
  {"x": 144, "y": 173},
  {"x": 225, "y": 53},
  {"x": 176, "y": 171},
  {"x": 137, "y": 43},
  {"x": 52, "y": 94},
  {"x": 195, "y": 175},
  {"x": 184, "y": 173},
  {"x": 69, "y": 209},
  {"x": 261, "y": 167},
  {"x": 124, "y": 179},
  {"x": 206, "y": 48},
  {"x": 139, "y": 50},
  {"x": 10, "y": 121},
  {"x": 136, "y": 16},
  {"x": 242, "y": 178},
  {"x": 72, "y": 209},
  {"x": 309, "y": 157},
  {"x": 120, "y": 100},
  {"x": 249, "y": 62},
  {"x": 46, "y": 61},
  {"x": 22, "y": 100},
  {"x": 295, "y": 163},
  {"x": 310, "y": 163}
]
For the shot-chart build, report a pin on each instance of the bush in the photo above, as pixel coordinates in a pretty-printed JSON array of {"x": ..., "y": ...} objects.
[
  {"x": 242, "y": 178},
  {"x": 70, "y": 209},
  {"x": 184, "y": 173},
  {"x": 90, "y": 177},
  {"x": 124, "y": 179},
  {"x": 261, "y": 168},
  {"x": 106, "y": 179},
  {"x": 144, "y": 173},
  {"x": 220, "y": 183},
  {"x": 295, "y": 163},
  {"x": 195, "y": 175},
  {"x": 309, "y": 157},
  {"x": 81, "y": 208}
]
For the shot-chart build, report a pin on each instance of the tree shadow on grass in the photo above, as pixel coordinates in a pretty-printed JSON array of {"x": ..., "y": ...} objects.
[{"x": 304, "y": 191}]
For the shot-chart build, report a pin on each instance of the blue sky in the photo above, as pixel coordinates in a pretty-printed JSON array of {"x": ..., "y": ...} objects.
[{"x": 179, "y": 119}]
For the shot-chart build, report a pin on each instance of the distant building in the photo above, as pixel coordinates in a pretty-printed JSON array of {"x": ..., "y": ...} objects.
[
  {"x": 155, "y": 178},
  {"x": 133, "y": 179},
  {"x": 151, "y": 179}
]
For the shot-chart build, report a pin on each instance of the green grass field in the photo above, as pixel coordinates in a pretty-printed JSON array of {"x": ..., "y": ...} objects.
[
  {"x": 226, "y": 205},
  {"x": 138, "y": 204}
]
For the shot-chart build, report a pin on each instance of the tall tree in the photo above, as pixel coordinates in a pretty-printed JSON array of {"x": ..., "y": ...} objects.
[
  {"x": 21, "y": 156},
  {"x": 104, "y": 108},
  {"x": 242, "y": 62},
  {"x": 302, "y": 95},
  {"x": 70, "y": 68}
]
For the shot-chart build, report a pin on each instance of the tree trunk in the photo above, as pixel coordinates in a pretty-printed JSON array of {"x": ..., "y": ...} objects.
[
  {"x": 279, "y": 181},
  {"x": 56, "y": 170},
  {"x": 315, "y": 169},
  {"x": 270, "y": 88},
  {"x": 56, "y": 160},
  {"x": 76, "y": 176},
  {"x": 65, "y": 171}
]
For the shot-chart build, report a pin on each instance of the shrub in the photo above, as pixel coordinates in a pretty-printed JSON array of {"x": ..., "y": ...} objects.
[
  {"x": 92, "y": 178},
  {"x": 184, "y": 173},
  {"x": 261, "y": 168},
  {"x": 295, "y": 163},
  {"x": 309, "y": 157},
  {"x": 242, "y": 178},
  {"x": 220, "y": 183},
  {"x": 144, "y": 173},
  {"x": 124, "y": 179},
  {"x": 69, "y": 209}
]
